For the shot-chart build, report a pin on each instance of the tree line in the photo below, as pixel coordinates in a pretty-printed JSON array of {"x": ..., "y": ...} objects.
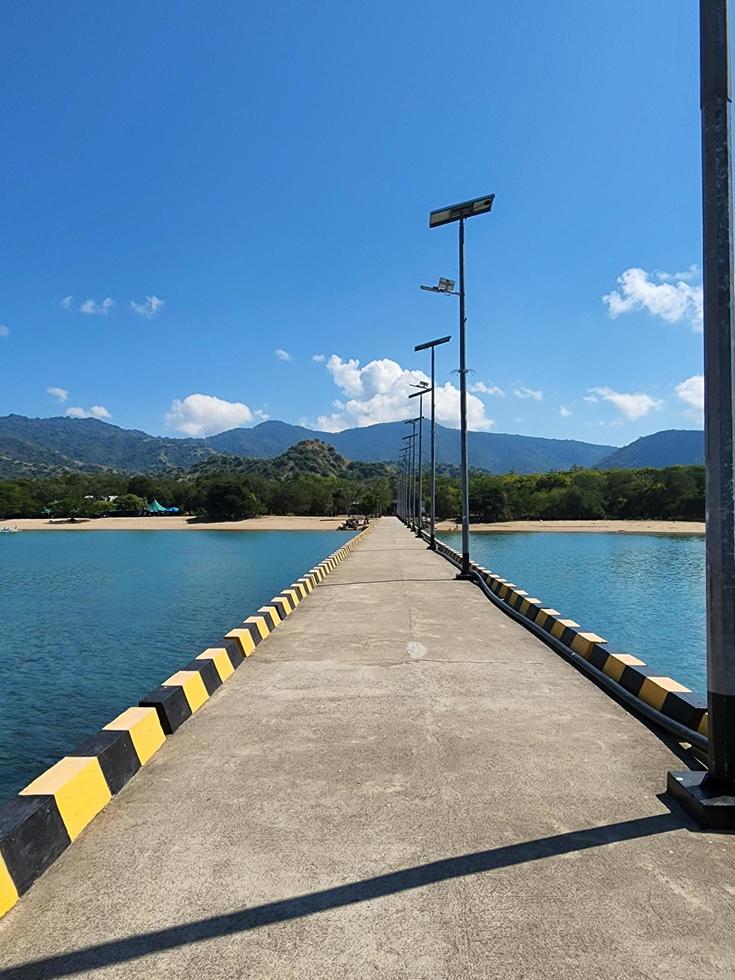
[{"x": 676, "y": 492}]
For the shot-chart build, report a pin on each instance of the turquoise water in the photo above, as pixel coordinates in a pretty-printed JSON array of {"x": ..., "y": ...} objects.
[
  {"x": 642, "y": 592},
  {"x": 90, "y": 621}
]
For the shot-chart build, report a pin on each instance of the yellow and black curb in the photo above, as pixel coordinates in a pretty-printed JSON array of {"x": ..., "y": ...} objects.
[
  {"x": 662, "y": 694},
  {"x": 45, "y": 817}
]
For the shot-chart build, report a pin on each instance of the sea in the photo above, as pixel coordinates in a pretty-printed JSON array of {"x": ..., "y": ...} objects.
[
  {"x": 644, "y": 593},
  {"x": 90, "y": 621}
]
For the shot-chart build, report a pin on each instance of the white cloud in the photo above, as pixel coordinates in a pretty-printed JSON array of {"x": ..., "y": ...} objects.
[
  {"x": 522, "y": 392},
  {"x": 4, "y": 330},
  {"x": 282, "y": 355},
  {"x": 630, "y": 406},
  {"x": 480, "y": 388},
  {"x": 319, "y": 358},
  {"x": 692, "y": 273},
  {"x": 95, "y": 412},
  {"x": 378, "y": 392},
  {"x": 590, "y": 398},
  {"x": 672, "y": 297},
  {"x": 61, "y": 393},
  {"x": 148, "y": 309},
  {"x": 94, "y": 308},
  {"x": 691, "y": 392},
  {"x": 66, "y": 302},
  {"x": 564, "y": 412},
  {"x": 205, "y": 415}
]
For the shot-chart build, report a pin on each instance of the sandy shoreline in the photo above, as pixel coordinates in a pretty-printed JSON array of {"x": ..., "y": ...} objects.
[
  {"x": 594, "y": 527},
  {"x": 175, "y": 523},
  {"x": 274, "y": 523}
]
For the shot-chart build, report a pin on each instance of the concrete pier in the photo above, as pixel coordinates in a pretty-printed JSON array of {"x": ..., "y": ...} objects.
[{"x": 400, "y": 783}]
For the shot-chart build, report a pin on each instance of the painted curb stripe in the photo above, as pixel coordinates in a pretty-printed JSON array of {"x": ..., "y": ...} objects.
[
  {"x": 116, "y": 755},
  {"x": 208, "y": 673},
  {"x": 245, "y": 638},
  {"x": 283, "y": 606},
  {"x": 8, "y": 892},
  {"x": 260, "y": 623},
  {"x": 271, "y": 616},
  {"x": 223, "y": 663},
  {"x": 79, "y": 788},
  {"x": 32, "y": 836},
  {"x": 172, "y": 707},
  {"x": 192, "y": 685},
  {"x": 144, "y": 728}
]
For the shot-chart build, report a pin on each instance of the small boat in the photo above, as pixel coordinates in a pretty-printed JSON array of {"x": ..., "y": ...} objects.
[{"x": 9, "y": 530}]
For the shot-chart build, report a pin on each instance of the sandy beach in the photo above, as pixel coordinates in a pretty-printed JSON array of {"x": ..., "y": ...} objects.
[
  {"x": 175, "y": 523},
  {"x": 274, "y": 523},
  {"x": 598, "y": 527}
]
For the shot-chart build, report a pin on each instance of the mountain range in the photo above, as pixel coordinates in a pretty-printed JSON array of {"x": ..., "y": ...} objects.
[{"x": 38, "y": 447}]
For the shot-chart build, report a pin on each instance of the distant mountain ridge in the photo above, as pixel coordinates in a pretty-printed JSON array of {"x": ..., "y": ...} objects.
[
  {"x": 672, "y": 447},
  {"x": 34, "y": 447}
]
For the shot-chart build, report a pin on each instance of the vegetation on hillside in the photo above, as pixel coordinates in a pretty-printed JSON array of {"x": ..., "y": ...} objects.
[{"x": 673, "y": 493}]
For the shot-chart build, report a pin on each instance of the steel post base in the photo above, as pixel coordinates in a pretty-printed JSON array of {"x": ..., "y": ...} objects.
[{"x": 712, "y": 807}]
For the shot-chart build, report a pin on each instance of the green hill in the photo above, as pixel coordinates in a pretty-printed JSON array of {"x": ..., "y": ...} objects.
[{"x": 308, "y": 458}]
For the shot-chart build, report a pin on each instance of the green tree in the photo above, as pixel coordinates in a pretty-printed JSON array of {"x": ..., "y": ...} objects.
[{"x": 226, "y": 499}]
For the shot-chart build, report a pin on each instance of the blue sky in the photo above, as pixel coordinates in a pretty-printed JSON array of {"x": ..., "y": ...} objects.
[{"x": 257, "y": 178}]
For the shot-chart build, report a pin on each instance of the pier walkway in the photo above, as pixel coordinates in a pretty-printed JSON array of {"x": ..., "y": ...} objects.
[{"x": 401, "y": 783}]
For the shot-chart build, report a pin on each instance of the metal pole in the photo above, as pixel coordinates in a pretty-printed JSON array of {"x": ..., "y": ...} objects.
[
  {"x": 404, "y": 485},
  {"x": 432, "y": 542},
  {"x": 719, "y": 373},
  {"x": 421, "y": 466},
  {"x": 710, "y": 796},
  {"x": 465, "y": 570},
  {"x": 413, "y": 476}
]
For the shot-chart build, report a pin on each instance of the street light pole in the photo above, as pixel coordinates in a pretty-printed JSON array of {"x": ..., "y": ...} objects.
[
  {"x": 412, "y": 469},
  {"x": 432, "y": 345},
  {"x": 423, "y": 389},
  {"x": 404, "y": 483},
  {"x": 460, "y": 212},
  {"x": 710, "y": 796},
  {"x": 465, "y": 570},
  {"x": 420, "y": 515}
]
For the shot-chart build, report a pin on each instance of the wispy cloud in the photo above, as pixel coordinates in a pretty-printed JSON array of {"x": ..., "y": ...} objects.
[
  {"x": 629, "y": 405},
  {"x": 95, "y": 412},
  {"x": 691, "y": 392},
  {"x": 282, "y": 355},
  {"x": 149, "y": 308},
  {"x": 4, "y": 330},
  {"x": 66, "y": 303},
  {"x": 378, "y": 392},
  {"x": 206, "y": 415},
  {"x": 319, "y": 358},
  {"x": 693, "y": 274},
  {"x": 522, "y": 392},
  {"x": 565, "y": 412},
  {"x": 60, "y": 393},
  {"x": 669, "y": 296},
  {"x": 482, "y": 388},
  {"x": 93, "y": 308}
]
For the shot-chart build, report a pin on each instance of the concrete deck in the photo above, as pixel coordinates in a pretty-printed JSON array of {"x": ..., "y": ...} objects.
[{"x": 401, "y": 782}]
